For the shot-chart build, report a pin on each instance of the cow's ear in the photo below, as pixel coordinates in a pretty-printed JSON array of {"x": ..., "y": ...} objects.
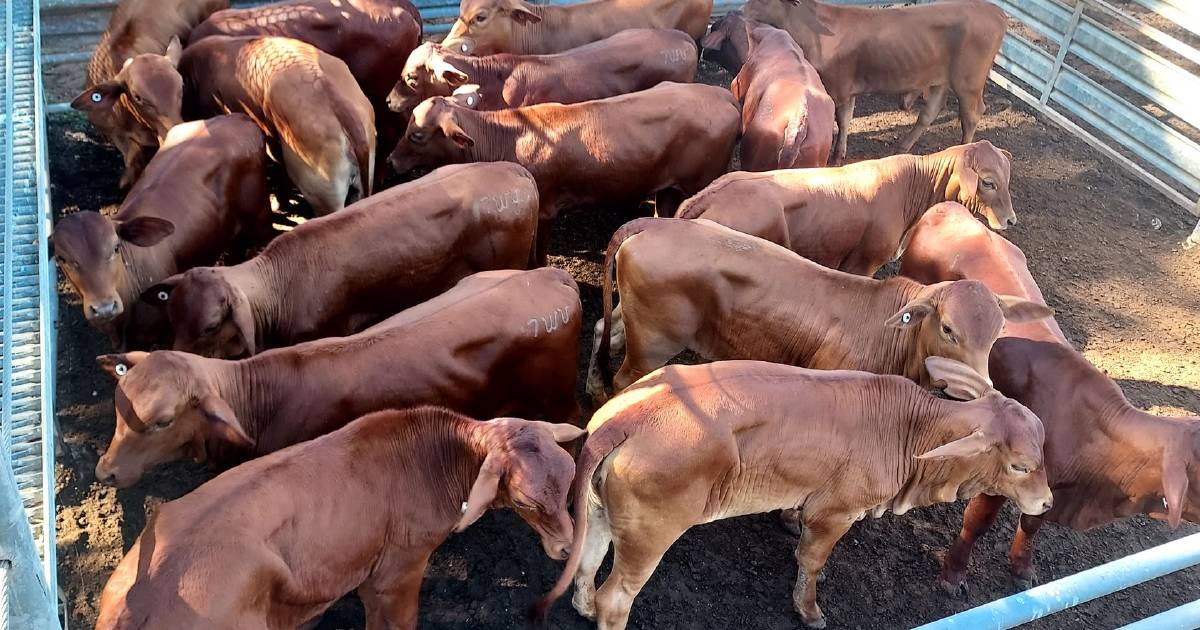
[
  {"x": 1175, "y": 483},
  {"x": 522, "y": 15},
  {"x": 243, "y": 320},
  {"x": 483, "y": 492},
  {"x": 118, "y": 365},
  {"x": 224, "y": 421},
  {"x": 562, "y": 432},
  {"x": 100, "y": 97},
  {"x": 456, "y": 133},
  {"x": 145, "y": 231},
  {"x": 973, "y": 444},
  {"x": 159, "y": 294},
  {"x": 1017, "y": 309},
  {"x": 1007, "y": 155},
  {"x": 964, "y": 183},
  {"x": 957, "y": 378},
  {"x": 911, "y": 315},
  {"x": 174, "y": 51}
]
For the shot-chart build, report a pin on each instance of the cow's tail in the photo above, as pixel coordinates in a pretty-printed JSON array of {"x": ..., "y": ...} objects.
[
  {"x": 610, "y": 256},
  {"x": 598, "y": 447},
  {"x": 794, "y": 136},
  {"x": 362, "y": 145}
]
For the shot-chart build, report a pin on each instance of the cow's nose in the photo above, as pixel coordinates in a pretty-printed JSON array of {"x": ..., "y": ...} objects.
[
  {"x": 104, "y": 475},
  {"x": 1010, "y": 221},
  {"x": 1047, "y": 504},
  {"x": 104, "y": 310}
]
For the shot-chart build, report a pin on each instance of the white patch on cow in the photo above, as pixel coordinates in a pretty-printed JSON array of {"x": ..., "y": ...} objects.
[
  {"x": 162, "y": 296},
  {"x": 120, "y": 369},
  {"x": 463, "y": 47},
  {"x": 97, "y": 97},
  {"x": 463, "y": 509},
  {"x": 905, "y": 318},
  {"x": 504, "y": 201},
  {"x": 471, "y": 101},
  {"x": 551, "y": 322},
  {"x": 674, "y": 55}
]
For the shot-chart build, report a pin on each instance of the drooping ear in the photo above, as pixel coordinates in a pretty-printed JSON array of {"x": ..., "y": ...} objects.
[
  {"x": 973, "y": 444},
  {"x": 957, "y": 378},
  {"x": 1175, "y": 484},
  {"x": 467, "y": 96},
  {"x": 1018, "y": 310},
  {"x": 103, "y": 96},
  {"x": 118, "y": 365},
  {"x": 966, "y": 180},
  {"x": 159, "y": 294},
  {"x": 174, "y": 51},
  {"x": 145, "y": 231},
  {"x": 562, "y": 432},
  {"x": 522, "y": 15},
  {"x": 243, "y": 320},
  {"x": 483, "y": 493},
  {"x": 222, "y": 419},
  {"x": 911, "y": 315},
  {"x": 1006, "y": 154},
  {"x": 714, "y": 38},
  {"x": 456, "y": 133},
  {"x": 446, "y": 72}
]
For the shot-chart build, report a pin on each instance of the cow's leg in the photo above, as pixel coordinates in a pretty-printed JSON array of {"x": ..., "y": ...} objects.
[
  {"x": 970, "y": 109},
  {"x": 616, "y": 345},
  {"x": 845, "y": 113},
  {"x": 1020, "y": 556},
  {"x": 811, "y": 554},
  {"x": 981, "y": 512},
  {"x": 391, "y": 596},
  {"x": 325, "y": 195},
  {"x": 635, "y": 556},
  {"x": 136, "y": 157},
  {"x": 645, "y": 351},
  {"x": 542, "y": 247},
  {"x": 667, "y": 201},
  {"x": 933, "y": 107},
  {"x": 595, "y": 547}
]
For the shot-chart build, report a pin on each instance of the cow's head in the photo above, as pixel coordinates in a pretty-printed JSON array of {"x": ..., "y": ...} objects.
[
  {"x": 90, "y": 248},
  {"x": 209, "y": 316},
  {"x": 1181, "y": 473},
  {"x": 526, "y": 470},
  {"x": 149, "y": 85},
  {"x": 728, "y": 41},
  {"x": 435, "y": 135},
  {"x": 960, "y": 320},
  {"x": 429, "y": 71},
  {"x": 979, "y": 180},
  {"x": 167, "y": 406},
  {"x": 487, "y": 27},
  {"x": 1002, "y": 452},
  {"x": 798, "y": 17}
]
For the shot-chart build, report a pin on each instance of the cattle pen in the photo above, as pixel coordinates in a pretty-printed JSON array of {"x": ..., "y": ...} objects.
[{"x": 1116, "y": 81}]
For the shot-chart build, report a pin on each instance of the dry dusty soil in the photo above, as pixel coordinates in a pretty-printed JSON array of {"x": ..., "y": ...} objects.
[{"x": 1104, "y": 247}]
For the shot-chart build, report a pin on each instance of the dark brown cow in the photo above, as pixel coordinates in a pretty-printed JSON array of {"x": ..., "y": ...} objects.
[
  {"x": 856, "y": 218},
  {"x": 486, "y": 27},
  {"x": 371, "y": 36},
  {"x": 498, "y": 343},
  {"x": 206, "y": 185},
  {"x": 694, "y": 444},
  {"x": 734, "y": 296},
  {"x": 1105, "y": 459},
  {"x": 632, "y": 60},
  {"x": 136, "y": 27},
  {"x": 268, "y": 544},
  {"x": 335, "y": 275},
  {"x": 787, "y": 118},
  {"x": 616, "y": 151},
  {"x": 948, "y": 45}
]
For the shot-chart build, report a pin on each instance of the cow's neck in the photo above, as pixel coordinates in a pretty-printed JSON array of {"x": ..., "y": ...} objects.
[
  {"x": 533, "y": 38},
  {"x": 895, "y": 351},
  {"x": 139, "y": 263},
  {"x": 816, "y": 49},
  {"x": 932, "y": 422},
  {"x": 928, "y": 178},
  {"x": 489, "y": 73},
  {"x": 495, "y": 134},
  {"x": 258, "y": 390},
  {"x": 265, "y": 287}
]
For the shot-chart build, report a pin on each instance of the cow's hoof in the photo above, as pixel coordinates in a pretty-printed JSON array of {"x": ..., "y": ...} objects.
[
  {"x": 789, "y": 520},
  {"x": 954, "y": 588},
  {"x": 1025, "y": 582},
  {"x": 585, "y": 606},
  {"x": 817, "y": 622}
]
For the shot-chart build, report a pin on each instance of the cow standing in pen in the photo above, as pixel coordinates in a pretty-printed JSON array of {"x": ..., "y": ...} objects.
[
  {"x": 695, "y": 444},
  {"x": 135, "y": 28},
  {"x": 787, "y": 118},
  {"x": 1105, "y": 458},
  {"x": 935, "y": 48},
  {"x": 269, "y": 545}
]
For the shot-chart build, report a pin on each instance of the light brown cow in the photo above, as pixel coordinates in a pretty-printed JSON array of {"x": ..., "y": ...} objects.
[
  {"x": 735, "y": 296},
  {"x": 136, "y": 27},
  {"x": 787, "y": 118},
  {"x": 1105, "y": 459},
  {"x": 694, "y": 444},
  {"x": 306, "y": 101},
  {"x": 205, "y": 186},
  {"x": 498, "y": 343},
  {"x": 335, "y": 275},
  {"x": 948, "y": 45},
  {"x": 856, "y": 218},
  {"x": 672, "y": 138},
  {"x": 632, "y": 60},
  {"x": 486, "y": 27},
  {"x": 268, "y": 544}
]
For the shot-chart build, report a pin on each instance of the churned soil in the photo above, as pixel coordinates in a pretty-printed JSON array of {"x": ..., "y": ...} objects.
[{"x": 1104, "y": 248}]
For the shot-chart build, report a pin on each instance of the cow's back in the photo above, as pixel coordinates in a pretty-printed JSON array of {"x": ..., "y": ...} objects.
[{"x": 145, "y": 26}]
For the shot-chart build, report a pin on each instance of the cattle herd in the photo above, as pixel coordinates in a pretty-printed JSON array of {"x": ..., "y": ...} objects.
[{"x": 408, "y": 348}]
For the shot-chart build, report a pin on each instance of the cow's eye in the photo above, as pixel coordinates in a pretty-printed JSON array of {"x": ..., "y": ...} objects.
[
  {"x": 989, "y": 184},
  {"x": 946, "y": 330},
  {"x": 212, "y": 328},
  {"x": 416, "y": 137},
  {"x": 480, "y": 19},
  {"x": 161, "y": 423},
  {"x": 1019, "y": 469}
]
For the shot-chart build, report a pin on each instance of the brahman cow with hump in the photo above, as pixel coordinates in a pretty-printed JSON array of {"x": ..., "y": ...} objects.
[
  {"x": 275, "y": 542},
  {"x": 694, "y": 444},
  {"x": 135, "y": 28},
  {"x": 787, "y": 118},
  {"x": 857, "y": 218},
  {"x": 320, "y": 123},
  {"x": 498, "y": 343},
  {"x": 734, "y": 296},
  {"x": 486, "y": 27},
  {"x": 369, "y": 35},
  {"x": 205, "y": 186},
  {"x": 935, "y": 47},
  {"x": 670, "y": 139},
  {"x": 1105, "y": 459},
  {"x": 629, "y": 61},
  {"x": 337, "y": 274}
]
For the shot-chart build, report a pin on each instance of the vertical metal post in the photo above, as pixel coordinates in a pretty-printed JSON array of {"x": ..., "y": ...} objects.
[
  {"x": 1063, "y": 47},
  {"x": 25, "y": 600}
]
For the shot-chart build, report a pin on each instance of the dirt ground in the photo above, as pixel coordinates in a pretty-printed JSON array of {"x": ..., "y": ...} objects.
[{"x": 1104, "y": 248}]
